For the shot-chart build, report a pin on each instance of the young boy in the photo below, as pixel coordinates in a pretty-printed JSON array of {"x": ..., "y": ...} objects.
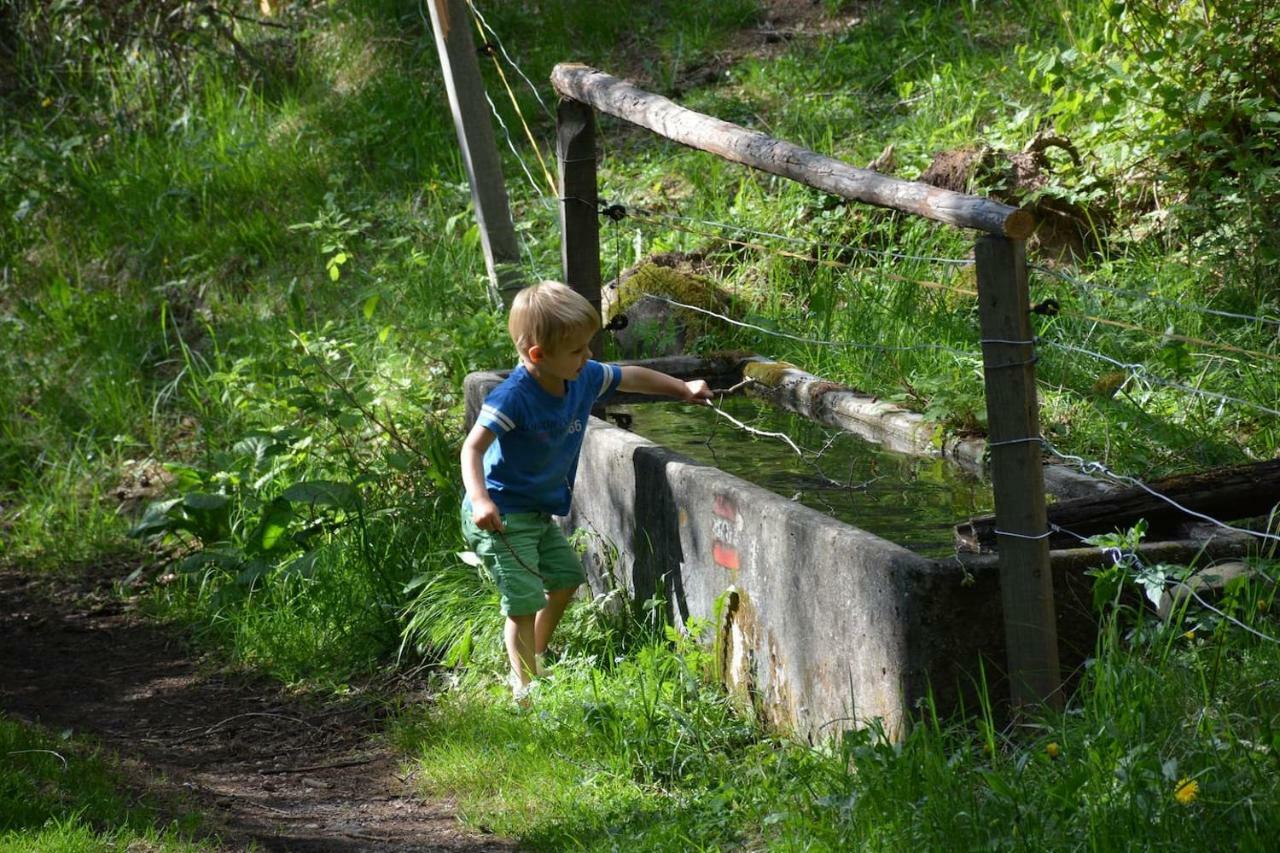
[{"x": 520, "y": 459}]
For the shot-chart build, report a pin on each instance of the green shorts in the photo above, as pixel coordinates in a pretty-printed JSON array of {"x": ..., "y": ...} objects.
[{"x": 528, "y": 559}]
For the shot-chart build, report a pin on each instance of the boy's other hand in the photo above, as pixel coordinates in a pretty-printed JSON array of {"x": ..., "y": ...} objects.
[
  {"x": 485, "y": 515},
  {"x": 697, "y": 390}
]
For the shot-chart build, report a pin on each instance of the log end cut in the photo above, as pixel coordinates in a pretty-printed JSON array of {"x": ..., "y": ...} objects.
[{"x": 1019, "y": 225}]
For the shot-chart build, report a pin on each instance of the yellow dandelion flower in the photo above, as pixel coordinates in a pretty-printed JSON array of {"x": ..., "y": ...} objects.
[
  {"x": 1190, "y": 635},
  {"x": 47, "y": 102},
  {"x": 1186, "y": 791},
  {"x": 1052, "y": 749}
]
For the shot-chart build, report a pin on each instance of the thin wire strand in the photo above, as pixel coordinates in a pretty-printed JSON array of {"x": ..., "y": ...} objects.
[
  {"x": 862, "y": 250},
  {"x": 672, "y": 220},
  {"x": 826, "y": 262},
  {"x": 506, "y": 132},
  {"x": 496, "y": 40},
  {"x": 1138, "y": 369},
  {"x": 1131, "y": 559},
  {"x": 1088, "y": 285},
  {"x": 537, "y": 151},
  {"x": 804, "y": 340},
  {"x": 1201, "y": 342}
]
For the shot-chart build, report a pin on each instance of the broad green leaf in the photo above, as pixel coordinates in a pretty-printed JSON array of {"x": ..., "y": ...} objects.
[
  {"x": 253, "y": 570},
  {"x": 303, "y": 565},
  {"x": 259, "y": 446},
  {"x": 323, "y": 492},
  {"x": 204, "y": 502},
  {"x": 273, "y": 526},
  {"x": 222, "y": 559},
  {"x": 156, "y": 518},
  {"x": 188, "y": 478},
  {"x": 399, "y": 460}
]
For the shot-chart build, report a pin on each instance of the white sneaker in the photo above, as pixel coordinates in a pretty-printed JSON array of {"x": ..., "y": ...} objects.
[{"x": 519, "y": 692}]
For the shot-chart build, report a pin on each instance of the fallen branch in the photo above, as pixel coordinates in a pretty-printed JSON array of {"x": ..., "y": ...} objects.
[{"x": 332, "y": 765}]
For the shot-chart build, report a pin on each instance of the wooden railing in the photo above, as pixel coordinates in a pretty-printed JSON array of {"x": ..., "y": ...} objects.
[{"x": 1003, "y": 302}]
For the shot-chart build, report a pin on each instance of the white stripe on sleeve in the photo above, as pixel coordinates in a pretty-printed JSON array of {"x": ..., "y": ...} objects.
[
  {"x": 606, "y": 379},
  {"x": 502, "y": 420}
]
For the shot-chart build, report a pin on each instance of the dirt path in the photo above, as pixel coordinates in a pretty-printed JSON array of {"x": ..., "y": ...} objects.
[{"x": 264, "y": 767}]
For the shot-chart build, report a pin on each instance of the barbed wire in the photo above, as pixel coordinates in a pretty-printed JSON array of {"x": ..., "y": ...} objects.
[
  {"x": 1131, "y": 559},
  {"x": 1094, "y": 467},
  {"x": 660, "y": 219},
  {"x": 1138, "y": 294},
  {"x": 1139, "y": 369}
]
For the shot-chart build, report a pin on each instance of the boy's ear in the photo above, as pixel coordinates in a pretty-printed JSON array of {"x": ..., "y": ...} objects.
[{"x": 535, "y": 353}]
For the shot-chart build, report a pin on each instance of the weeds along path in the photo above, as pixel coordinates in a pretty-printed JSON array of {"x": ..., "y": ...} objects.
[{"x": 264, "y": 768}]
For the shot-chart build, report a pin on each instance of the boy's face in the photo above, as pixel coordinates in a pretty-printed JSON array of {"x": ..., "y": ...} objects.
[{"x": 566, "y": 360}]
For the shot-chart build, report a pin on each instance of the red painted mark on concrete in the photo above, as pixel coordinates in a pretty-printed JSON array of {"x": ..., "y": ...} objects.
[
  {"x": 724, "y": 531},
  {"x": 725, "y": 555}
]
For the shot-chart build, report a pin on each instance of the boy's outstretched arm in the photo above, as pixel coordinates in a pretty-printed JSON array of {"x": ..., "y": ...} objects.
[
  {"x": 642, "y": 380},
  {"x": 484, "y": 512}
]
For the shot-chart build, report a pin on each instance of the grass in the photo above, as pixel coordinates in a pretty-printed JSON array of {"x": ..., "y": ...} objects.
[
  {"x": 262, "y": 273},
  {"x": 639, "y": 754},
  {"x": 58, "y": 794}
]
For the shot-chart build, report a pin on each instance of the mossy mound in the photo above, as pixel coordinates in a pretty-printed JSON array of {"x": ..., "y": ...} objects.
[
  {"x": 695, "y": 290},
  {"x": 655, "y": 326}
]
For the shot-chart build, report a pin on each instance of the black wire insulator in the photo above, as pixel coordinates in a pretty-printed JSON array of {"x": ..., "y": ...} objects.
[
  {"x": 616, "y": 212},
  {"x": 1046, "y": 308},
  {"x": 487, "y": 49},
  {"x": 618, "y": 323}
]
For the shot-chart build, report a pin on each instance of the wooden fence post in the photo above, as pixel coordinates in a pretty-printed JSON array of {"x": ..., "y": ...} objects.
[
  {"x": 469, "y": 105},
  {"x": 579, "y": 222},
  {"x": 1013, "y": 424}
]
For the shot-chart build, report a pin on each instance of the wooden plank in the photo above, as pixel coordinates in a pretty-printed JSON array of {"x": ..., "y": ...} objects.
[
  {"x": 752, "y": 148},
  {"x": 1026, "y": 584},
  {"x": 579, "y": 221},
  {"x": 1242, "y": 491},
  {"x": 470, "y": 108}
]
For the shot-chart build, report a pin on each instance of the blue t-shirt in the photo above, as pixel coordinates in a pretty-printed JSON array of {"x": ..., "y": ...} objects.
[{"x": 531, "y": 465}]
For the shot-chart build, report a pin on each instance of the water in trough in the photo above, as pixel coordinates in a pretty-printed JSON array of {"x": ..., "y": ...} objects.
[{"x": 910, "y": 500}]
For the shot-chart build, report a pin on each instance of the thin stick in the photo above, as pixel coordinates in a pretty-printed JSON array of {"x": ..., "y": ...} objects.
[
  {"x": 332, "y": 765},
  {"x": 221, "y": 723},
  {"x": 57, "y": 755},
  {"x": 760, "y": 432}
]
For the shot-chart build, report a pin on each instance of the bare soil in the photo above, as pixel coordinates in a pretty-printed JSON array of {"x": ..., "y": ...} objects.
[{"x": 266, "y": 768}]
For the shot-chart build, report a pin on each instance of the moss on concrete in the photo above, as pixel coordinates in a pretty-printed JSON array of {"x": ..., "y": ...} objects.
[{"x": 768, "y": 373}]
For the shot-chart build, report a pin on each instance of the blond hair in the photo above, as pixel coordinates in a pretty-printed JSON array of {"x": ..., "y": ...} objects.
[{"x": 547, "y": 314}]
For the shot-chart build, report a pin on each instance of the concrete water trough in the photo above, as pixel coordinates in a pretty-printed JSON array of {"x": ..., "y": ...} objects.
[{"x": 817, "y": 623}]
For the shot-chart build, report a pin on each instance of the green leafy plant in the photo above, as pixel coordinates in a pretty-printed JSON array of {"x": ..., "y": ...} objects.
[{"x": 1178, "y": 102}]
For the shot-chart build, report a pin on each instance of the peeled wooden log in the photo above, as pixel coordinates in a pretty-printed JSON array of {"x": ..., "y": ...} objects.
[
  {"x": 760, "y": 151},
  {"x": 1244, "y": 491},
  {"x": 872, "y": 418}
]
